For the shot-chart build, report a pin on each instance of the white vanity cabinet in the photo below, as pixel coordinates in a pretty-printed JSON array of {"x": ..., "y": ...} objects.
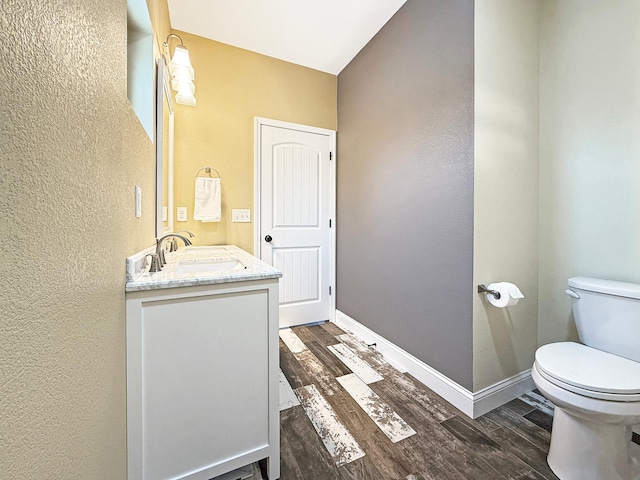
[{"x": 202, "y": 379}]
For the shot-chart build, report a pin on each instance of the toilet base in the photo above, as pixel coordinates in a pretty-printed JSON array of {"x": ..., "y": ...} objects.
[{"x": 584, "y": 450}]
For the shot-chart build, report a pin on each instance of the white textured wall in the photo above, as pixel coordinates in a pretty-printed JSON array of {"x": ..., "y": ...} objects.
[
  {"x": 505, "y": 185},
  {"x": 589, "y": 150},
  {"x": 71, "y": 151}
]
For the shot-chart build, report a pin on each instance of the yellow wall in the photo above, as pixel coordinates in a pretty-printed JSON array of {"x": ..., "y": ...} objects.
[
  {"x": 159, "y": 16},
  {"x": 232, "y": 87},
  {"x": 71, "y": 151},
  {"x": 505, "y": 185}
]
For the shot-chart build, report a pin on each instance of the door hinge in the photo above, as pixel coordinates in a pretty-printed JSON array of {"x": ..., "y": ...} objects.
[
  {"x": 329, "y": 289},
  {"x": 330, "y": 155}
]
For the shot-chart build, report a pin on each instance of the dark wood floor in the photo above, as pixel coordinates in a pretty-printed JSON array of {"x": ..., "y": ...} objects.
[{"x": 510, "y": 442}]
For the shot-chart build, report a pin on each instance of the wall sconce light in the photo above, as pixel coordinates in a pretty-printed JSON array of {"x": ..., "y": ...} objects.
[{"x": 181, "y": 72}]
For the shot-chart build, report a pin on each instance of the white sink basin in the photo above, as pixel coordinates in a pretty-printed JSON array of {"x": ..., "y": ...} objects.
[
  {"x": 208, "y": 266},
  {"x": 208, "y": 248}
]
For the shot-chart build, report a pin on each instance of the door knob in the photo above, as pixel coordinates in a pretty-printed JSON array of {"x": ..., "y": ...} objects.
[{"x": 268, "y": 238}]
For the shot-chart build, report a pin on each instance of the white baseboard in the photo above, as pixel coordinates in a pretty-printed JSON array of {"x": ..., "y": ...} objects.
[
  {"x": 502, "y": 392},
  {"x": 471, "y": 404}
]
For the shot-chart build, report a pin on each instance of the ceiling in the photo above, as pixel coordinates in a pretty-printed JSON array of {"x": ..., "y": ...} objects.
[{"x": 321, "y": 34}]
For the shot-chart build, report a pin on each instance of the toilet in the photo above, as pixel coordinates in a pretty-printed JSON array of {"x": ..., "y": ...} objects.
[{"x": 595, "y": 385}]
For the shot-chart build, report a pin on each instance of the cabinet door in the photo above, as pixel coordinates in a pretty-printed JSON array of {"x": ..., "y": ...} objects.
[{"x": 204, "y": 381}]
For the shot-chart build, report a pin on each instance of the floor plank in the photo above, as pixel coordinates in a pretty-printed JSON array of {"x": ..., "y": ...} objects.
[
  {"x": 339, "y": 442},
  {"x": 306, "y": 334},
  {"x": 292, "y": 369},
  {"x": 526, "y": 451},
  {"x": 355, "y": 364},
  {"x": 302, "y": 456},
  {"x": 448, "y": 458},
  {"x": 332, "y": 329},
  {"x": 328, "y": 358},
  {"x": 531, "y": 475},
  {"x": 415, "y": 476},
  {"x": 385, "y": 455},
  {"x": 322, "y": 335},
  {"x": 361, "y": 469},
  {"x": 416, "y": 396},
  {"x": 288, "y": 399},
  {"x": 369, "y": 355},
  {"x": 535, "y": 399},
  {"x": 489, "y": 450},
  {"x": 518, "y": 407},
  {"x": 292, "y": 340},
  {"x": 317, "y": 371},
  {"x": 541, "y": 419},
  {"x": 387, "y": 420},
  {"x": 529, "y": 431},
  {"x": 437, "y": 452},
  {"x": 288, "y": 463}
]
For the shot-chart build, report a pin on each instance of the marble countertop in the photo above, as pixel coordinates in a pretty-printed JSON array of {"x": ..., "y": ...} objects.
[{"x": 251, "y": 268}]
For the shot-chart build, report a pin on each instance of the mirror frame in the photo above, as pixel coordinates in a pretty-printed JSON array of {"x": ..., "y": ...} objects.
[{"x": 163, "y": 94}]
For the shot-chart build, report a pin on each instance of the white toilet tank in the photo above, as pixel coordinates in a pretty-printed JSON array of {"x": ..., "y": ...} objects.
[{"x": 607, "y": 315}]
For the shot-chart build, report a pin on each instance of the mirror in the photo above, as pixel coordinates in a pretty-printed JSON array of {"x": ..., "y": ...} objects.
[{"x": 164, "y": 152}]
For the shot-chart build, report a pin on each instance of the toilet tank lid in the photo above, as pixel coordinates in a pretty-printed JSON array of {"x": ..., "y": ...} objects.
[{"x": 610, "y": 287}]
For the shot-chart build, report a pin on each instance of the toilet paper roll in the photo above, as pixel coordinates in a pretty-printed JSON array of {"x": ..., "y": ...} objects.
[{"x": 510, "y": 294}]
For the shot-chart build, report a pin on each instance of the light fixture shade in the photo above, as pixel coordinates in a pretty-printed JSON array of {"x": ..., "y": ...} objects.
[
  {"x": 181, "y": 57},
  {"x": 183, "y": 87},
  {"x": 186, "y": 99},
  {"x": 182, "y": 72}
]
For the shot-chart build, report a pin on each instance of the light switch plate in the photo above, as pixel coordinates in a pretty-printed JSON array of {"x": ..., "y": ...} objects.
[
  {"x": 182, "y": 214},
  {"x": 138, "y": 202},
  {"x": 241, "y": 215},
  {"x": 164, "y": 214}
]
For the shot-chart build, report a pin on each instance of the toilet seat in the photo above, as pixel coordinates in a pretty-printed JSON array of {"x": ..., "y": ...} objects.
[{"x": 589, "y": 372}]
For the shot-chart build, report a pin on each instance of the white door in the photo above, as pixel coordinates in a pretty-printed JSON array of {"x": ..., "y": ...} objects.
[{"x": 295, "y": 236}]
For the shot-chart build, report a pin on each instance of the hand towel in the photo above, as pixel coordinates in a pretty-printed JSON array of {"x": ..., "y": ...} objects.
[{"x": 207, "y": 206}]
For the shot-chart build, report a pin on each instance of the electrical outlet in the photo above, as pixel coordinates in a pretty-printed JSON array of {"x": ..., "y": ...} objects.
[
  {"x": 164, "y": 214},
  {"x": 241, "y": 215},
  {"x": 182, "y": 214}
]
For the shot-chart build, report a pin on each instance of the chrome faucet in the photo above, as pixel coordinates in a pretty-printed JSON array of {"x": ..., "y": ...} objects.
[
  {"x": 173, "y": 246},
  {"x": 160, "y": 245}
]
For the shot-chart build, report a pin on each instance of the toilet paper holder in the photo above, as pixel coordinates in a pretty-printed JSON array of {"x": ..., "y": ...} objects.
[{"x": 483, "y": 289}]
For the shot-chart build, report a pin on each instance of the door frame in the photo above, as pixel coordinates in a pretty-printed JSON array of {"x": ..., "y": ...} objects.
[{"x": 257, "y": 194}]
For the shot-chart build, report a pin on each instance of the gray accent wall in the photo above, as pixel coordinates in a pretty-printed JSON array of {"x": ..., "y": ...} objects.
[{"x": 405, "y": 184}]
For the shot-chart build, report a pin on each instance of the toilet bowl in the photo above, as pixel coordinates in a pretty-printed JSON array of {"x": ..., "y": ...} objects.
[
  {"x": 596, "y": 391},
  {"x": 597, "y": 397}
]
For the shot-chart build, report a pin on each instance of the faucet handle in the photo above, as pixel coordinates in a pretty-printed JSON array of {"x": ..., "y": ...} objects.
[
  {"x": 160, "y": 252},
  {"x": 155, "y": 263}
]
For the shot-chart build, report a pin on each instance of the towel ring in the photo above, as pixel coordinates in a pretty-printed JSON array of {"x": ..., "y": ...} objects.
[{"x": 208, "y": 171}]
